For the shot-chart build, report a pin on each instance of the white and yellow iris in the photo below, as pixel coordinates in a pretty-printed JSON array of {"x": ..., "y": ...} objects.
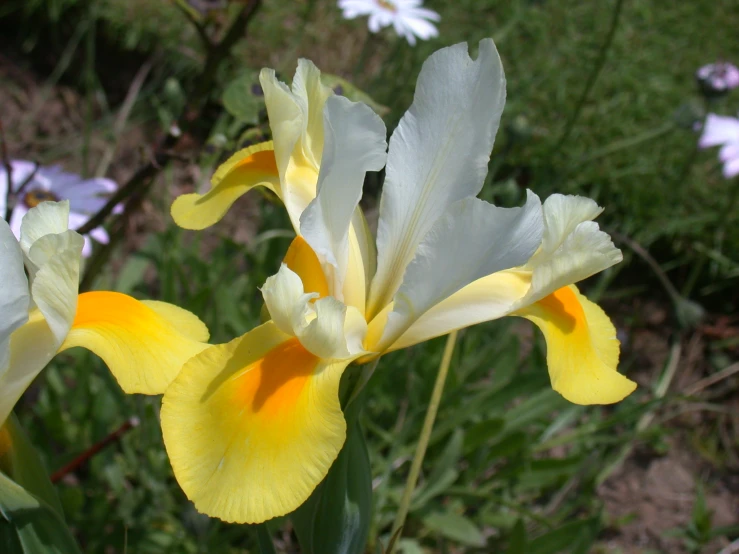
[
  {"x": 143, "y": 343},
  {"x": 253, "y": 426}
]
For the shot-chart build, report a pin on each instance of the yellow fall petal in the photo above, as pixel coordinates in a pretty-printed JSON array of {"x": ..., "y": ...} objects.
[
  {"x": 251, "y": 167},
  {"x": 145, "y": 344},
  {"x": 252, "y": 427},
  {"x": 582, "y": 348}
]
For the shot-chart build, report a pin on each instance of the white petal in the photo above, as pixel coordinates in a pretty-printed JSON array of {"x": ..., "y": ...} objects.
[
  {"x": 573, "y": 248},
  {"x": 471, "y": 240},
  {"x": 354, "y": 144},
  {"x": 282, "y": 292},
  {"x": 719, "y": 130},
  {"x": 438, "y": 154},
  {"x": 45, "y": 219},
  {"x": 31, "y": 347},
  {"x": 311, "y": 94},
  {"x": 56, "y": 282},
  {"x": 322, "y": 327},
  {"x": 14, "y": 298},
  {"x": 484, "y": 300}
]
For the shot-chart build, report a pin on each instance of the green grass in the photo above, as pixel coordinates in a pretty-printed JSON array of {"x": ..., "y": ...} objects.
[{"x": 511, "y": 467}]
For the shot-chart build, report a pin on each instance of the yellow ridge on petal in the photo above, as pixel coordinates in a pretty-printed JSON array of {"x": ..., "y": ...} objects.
[
  {"x": 252, "y": 427},
  {"x": 251, "y": 167},
  {"x": 145, "y": 344},
  {"x": 582, "y": 348},
  {"x": 302, "y": 260}
]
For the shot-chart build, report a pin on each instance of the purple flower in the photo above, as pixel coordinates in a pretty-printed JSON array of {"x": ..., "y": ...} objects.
[
  {"x": 32, "y": 185},
  {"x": 718, "y": 78},
  {"x": 723, "y": 131}
]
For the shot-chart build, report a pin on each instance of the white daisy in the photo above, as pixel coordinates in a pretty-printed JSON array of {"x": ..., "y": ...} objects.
[
  {"x": 408, "y": 17},
  {"x": 32, "y": 185},
  {"x": 723, "y": 131}
]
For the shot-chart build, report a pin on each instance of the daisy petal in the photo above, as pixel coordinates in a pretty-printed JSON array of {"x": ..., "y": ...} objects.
[
  {"x": 438, "y": 154},
  {"x": 252, "y": 167},
  {"x": 252, "y": 427},
  {"x": 582, "y": 348},
  {"x": 145, "y": 344}
]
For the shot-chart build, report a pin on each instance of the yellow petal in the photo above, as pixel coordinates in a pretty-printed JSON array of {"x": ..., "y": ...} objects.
[
  {"x": 252, "y": 427},
  {"x": 248, "y": 168},
  {"x": 145, "y": 344},
  {"x": 582, "y": 348},
  {"x": 302, "y": 260}
]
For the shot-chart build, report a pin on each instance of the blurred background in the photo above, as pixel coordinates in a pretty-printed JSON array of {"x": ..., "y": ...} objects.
[{"x": 603, "y": 101}]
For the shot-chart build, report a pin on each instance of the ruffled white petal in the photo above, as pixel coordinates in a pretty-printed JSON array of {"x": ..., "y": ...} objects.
[
  {"x": 438, "y": 154},
  {"x": 573, "y": 247}
]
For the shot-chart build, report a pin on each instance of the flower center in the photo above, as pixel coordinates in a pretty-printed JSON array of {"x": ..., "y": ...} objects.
[
  {"x": 388, "y": 5},
  {"x": 34, "y": 197}
]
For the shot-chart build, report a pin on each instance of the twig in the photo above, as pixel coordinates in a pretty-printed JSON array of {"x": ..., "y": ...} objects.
[
  {"x": 423, "y": 440},
  {"x": 733, "y": 548},
  {"x": 199, "y": 27},
  {"x": 713, "y": 379},
  {"x": 9, "y": 171},
  {"x": 94, "y": 449},
  {"x": 123, "y": 114},
  {"x": 203, "y": 87}
]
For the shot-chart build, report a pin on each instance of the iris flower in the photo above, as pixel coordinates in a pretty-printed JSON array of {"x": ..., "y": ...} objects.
[
  {"x": 40, "y": 184},
  {"x": 252, "y": 426},
  {"x": 143, "y": 343}
]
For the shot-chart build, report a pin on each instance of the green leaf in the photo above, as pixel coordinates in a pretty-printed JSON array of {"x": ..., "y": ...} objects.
[
  {"x": 336, "y": 518},
  {"x": 30, "y": 526},
  {"x": 21, "y": 463},
  {"x": 455, "y": 527},
  {"x": 573, "y": 537},
  {"x": 343, "y": 87},
  {"x": 517, "y": 542},
  {"x": 243, "y": 98}
]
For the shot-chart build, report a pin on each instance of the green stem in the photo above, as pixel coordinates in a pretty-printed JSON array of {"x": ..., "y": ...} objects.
[
  {"x": 630, "y": 142},
  {"x": 423, "y": 441},
  {"x": 597, "y": 68}
]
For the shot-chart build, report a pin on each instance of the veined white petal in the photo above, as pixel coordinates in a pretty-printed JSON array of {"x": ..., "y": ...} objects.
[
  {"x": 296, "y": 120},
  {"x": 354, "y": 144},
  {"x": 471, "y": 240},
  {"x": 45, "y": 219},
  {"x": 311, "y": 95},
  {"x": 573, "y": 247},
  {"x": 438, "y": 154},
  {"x": 14, "y": 298},
  {"x": 56, "y": 282}
]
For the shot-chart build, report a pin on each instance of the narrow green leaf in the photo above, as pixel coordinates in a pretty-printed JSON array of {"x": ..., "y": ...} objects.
[
  {"x": 29, "y": 525},
  {"x": 455, "y": 527},
  {"x": 517, "y": 542},
  {"x": 22, "y": 464}
]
